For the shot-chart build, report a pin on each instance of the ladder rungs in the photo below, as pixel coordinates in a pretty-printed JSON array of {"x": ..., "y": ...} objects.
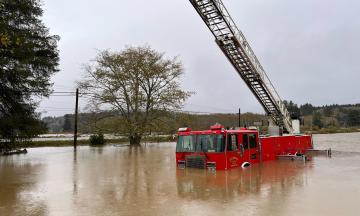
[{"x": 243, "y": 60}]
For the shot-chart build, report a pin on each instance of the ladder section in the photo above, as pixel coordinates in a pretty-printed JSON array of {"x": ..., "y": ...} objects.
[{"x": 238, "y": 51}]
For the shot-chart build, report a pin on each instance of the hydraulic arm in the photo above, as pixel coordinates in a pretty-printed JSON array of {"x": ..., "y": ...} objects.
[{"x": 238, "y": 51}]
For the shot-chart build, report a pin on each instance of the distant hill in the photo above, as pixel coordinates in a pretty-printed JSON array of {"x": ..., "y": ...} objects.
[
  {"x": 313, "y": 118},
  {"x": 346, "y": 115},
  {"x": 111, "y": 122}
]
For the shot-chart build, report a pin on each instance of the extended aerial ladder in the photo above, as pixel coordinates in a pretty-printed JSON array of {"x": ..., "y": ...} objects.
[{"x": 238, "y": 51}]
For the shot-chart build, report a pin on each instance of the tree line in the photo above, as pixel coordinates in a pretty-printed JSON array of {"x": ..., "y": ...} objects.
[
  {"x": 169, "y": 123},
  {"x": 335, "y": 115},
  {"x": 316, "y": 117}
]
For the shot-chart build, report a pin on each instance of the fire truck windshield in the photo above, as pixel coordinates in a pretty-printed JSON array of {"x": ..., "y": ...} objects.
[
  {"x": 201, "y": 143},
  {"x": 186, "y": 144}
]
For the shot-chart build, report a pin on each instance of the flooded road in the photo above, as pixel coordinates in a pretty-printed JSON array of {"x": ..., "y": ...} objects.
[{"x": 145, "y": 181}]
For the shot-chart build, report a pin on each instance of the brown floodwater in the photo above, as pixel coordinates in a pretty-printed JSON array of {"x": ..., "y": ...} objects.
[{"x": 117, "y": 180}]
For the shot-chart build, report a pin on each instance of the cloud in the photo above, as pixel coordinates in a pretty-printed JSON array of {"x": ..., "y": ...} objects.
[{"x": 308, "y": 48}]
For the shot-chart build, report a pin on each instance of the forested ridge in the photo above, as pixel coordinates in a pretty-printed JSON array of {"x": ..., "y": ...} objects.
[{"x": 312, "y": 118}]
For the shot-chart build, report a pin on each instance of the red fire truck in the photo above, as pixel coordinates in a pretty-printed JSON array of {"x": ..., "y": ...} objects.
[{"x": 221, "y": 149}]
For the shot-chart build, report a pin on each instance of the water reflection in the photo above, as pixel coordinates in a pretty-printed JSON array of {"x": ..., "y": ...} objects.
[
  {"x": 118, "y": 180},
  {"x": 75, "y": 174},
  {"x": 99, "y": 150},
  {"x": 22, "y": 194},
  {"x": 261, "y": 179}
]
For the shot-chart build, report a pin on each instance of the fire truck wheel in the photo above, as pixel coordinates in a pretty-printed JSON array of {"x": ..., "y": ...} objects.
[{"x": 245, "y": 164}]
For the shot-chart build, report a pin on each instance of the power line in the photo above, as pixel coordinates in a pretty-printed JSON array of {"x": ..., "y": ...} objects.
[
  {"x": 88, "y": 94},
  {"x": 210, "y": 107},
  {"x": 55, "y": 109},
  {"x": 61, "y": 95},
  {"x": 63, "y": 92}
]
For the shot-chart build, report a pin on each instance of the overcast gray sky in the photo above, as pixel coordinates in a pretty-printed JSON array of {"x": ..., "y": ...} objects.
[{"x": 310, "y": 49}]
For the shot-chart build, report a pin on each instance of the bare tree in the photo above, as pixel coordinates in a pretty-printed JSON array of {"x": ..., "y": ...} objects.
[{"x": 139, "y": 83}]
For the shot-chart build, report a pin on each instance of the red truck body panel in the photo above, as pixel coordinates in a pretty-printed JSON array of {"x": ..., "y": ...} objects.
[{"x": 239, "y": 146}]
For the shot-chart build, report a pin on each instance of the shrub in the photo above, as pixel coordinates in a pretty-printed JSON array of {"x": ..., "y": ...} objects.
[{"x": 97, "y": 139}]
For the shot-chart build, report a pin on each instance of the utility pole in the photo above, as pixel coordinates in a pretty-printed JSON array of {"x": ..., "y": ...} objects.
[
  {"x": 76, "y": 118},
  {"x": 239, "y": 117}
]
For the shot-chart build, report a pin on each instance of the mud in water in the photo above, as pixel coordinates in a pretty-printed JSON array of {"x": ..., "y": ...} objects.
[{"x": 118, "y": 180}]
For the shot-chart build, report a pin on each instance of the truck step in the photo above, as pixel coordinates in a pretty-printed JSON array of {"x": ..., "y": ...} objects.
[
  {"x": 296, "y": 157},
  {"x": 326, "y": 152}
]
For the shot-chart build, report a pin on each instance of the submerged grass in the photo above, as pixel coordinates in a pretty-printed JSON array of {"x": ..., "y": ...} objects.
[
  {"x": 64, "y": 143},
  {"x": 332, "y": 130},
  {"x": 152, "y": 139}
]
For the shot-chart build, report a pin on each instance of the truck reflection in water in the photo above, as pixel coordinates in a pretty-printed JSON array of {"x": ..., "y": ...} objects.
[{"x": 261, "y": 179}]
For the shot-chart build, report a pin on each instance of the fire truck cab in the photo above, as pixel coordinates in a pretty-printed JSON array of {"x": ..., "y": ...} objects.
[{"x": 217, "y": 148}]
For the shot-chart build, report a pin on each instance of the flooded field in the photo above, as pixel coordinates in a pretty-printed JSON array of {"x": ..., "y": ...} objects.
[{"x": 118, "y": 180}]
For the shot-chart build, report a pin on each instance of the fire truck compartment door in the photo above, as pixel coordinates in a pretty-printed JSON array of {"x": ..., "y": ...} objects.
[{"x": 233, "y": 154}]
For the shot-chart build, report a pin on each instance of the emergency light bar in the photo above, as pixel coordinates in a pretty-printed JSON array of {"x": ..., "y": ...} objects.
[{"x": 184, "y": 129}]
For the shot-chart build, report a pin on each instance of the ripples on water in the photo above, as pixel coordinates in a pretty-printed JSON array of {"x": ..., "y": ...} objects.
[{"x": 145, "y": 181}]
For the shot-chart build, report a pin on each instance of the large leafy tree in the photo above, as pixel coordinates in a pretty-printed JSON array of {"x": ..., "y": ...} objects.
[
  {"x": 139, "y": 83},
  {"x": 28, "y": 57}
]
